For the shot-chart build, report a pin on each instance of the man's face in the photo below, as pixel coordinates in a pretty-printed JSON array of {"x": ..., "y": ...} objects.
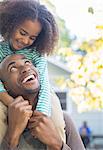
[{"x": 19, "y": 75}]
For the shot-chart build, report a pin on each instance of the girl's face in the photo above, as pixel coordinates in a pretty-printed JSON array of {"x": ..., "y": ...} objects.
[{"x": 25, "y": 34}]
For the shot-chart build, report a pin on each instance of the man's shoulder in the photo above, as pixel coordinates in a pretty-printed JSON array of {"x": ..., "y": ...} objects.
[
  {"x": 3, "y": 108},
  {"x": 70, "y": 127},
  {"x": 3, "y": 120},
  {"x": 3, "y": 113},
  {"x": 67, "y": 116}
]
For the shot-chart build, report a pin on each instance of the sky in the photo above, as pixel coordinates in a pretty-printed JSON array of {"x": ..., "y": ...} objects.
[{"x": 78, "y": 20}]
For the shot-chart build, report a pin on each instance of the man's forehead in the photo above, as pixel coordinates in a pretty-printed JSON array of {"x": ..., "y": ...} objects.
[{"x": 10, "y": 59}]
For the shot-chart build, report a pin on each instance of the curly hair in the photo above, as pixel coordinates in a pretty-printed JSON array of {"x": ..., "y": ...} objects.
[{"x": 15, "y": 12}]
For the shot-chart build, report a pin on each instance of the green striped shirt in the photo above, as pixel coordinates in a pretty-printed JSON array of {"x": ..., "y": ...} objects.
[{"x": 40, "y": 62}]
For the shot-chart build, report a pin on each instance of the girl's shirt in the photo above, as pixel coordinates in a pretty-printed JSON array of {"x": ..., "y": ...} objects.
[{"x": 40, "y": 62}]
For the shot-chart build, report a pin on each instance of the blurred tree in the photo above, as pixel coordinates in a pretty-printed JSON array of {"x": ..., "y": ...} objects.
[
  {"x": 64, "y": 35},
  {"x": 91, "y": 10},
  {"x": 64, "y": 39},
  {"x": 92, "y": 45}
]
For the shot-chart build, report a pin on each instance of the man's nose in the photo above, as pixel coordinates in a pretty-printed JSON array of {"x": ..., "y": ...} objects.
[{"x": 25, "y": 69}]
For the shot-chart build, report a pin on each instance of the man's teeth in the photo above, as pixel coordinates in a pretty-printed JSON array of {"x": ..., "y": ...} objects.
[{"x": 27, "y": 78}]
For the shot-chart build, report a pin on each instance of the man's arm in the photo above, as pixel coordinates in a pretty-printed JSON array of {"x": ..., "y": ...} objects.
[
  {"x": 73, "y": 137},
  {"x": 42, "y": 127},
  {"x": 6, "y": 146}
]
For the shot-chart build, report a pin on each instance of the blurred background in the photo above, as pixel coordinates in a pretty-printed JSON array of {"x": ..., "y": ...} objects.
[{"x": 76, "y": 67}]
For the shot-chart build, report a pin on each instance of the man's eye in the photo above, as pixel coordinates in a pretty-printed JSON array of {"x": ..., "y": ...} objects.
[
  {"x": 13, "y": 69},
  {"x": 27, "y": 62}
]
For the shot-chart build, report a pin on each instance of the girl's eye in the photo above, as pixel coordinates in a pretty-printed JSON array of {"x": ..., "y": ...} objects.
[
  {"x": 22, "y": 33},
  {"x": 33, "y": 38},
  {"x": 13, "y": 69}
]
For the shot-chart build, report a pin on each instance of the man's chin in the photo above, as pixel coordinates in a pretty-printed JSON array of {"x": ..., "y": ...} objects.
[{"x": 32, "y": 90}]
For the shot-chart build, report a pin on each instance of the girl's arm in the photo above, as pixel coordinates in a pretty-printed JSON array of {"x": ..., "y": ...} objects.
[
  {"x": 44, "y": 102},
  {"x": 4, "y": 96}
]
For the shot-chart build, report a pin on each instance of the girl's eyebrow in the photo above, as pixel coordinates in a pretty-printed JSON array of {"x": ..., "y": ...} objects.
[{"x": 36, "y": 34}]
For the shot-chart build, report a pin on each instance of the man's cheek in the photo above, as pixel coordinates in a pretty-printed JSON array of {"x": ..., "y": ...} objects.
[{"x": 13, "y": 78}]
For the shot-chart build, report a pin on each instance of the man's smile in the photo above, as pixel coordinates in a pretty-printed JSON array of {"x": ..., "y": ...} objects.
[{"x": 29, "y": 79}]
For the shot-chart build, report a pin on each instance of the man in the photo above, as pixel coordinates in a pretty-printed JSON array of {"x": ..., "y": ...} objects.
[
  {"x": 28, "y": 129},
  {"x": 85, "y": 133}
]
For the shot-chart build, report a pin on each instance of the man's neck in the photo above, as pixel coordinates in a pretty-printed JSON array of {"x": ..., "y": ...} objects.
[{"x": 32, "y": 98}]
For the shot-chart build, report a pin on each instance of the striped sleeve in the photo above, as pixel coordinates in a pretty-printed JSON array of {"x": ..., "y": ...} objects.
[
  {"x": 2, "y": 89},
  {"x": 44, "y": 102}
]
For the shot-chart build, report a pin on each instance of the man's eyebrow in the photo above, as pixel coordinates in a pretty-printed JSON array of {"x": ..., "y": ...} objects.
[{"x": 11, "y": 63}]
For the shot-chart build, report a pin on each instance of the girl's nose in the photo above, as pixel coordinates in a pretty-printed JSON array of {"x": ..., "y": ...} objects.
[{"x": 26, "y": 41}]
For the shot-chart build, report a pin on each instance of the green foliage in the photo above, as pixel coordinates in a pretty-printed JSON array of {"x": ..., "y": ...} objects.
[{"x": 64, "y": 37}]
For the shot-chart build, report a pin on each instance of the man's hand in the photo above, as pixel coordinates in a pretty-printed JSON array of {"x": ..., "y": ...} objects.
[
  {"x": 43, "y": 128},
  {"x": 19, "y": 112}
]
